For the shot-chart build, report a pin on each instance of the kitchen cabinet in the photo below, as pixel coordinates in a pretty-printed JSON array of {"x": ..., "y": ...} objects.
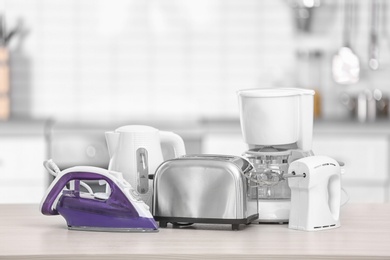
[
  {"x": 363, "y": 148},
  {"x": 22, "y": 151},
  {"x": 366, "y": 177}
]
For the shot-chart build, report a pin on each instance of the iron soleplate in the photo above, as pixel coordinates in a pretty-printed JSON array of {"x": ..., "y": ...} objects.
[{"x": 109, "y": 229}]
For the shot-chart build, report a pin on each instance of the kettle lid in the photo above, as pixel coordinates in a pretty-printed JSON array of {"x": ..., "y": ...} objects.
[{"x": 136, "y": 128}]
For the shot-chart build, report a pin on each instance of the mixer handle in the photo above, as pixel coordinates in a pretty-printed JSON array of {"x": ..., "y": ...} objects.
[{"x": 334, "y": 196}]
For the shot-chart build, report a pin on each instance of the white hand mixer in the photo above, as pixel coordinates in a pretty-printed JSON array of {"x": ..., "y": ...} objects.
[{"x": 315, "y": 193}]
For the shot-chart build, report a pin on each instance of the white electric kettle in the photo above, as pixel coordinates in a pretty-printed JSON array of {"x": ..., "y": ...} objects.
[{"x": 135, "y": 150}]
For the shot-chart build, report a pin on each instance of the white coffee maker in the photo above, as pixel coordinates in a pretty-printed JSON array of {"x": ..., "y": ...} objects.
[{"x": 277, "y": 125}]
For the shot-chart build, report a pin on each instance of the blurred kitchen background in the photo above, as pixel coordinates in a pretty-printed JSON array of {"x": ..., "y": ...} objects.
[{"x": 78, "y": 68}]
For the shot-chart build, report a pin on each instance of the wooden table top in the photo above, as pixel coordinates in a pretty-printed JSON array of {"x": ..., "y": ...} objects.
[{"x": 364, "y": 234}]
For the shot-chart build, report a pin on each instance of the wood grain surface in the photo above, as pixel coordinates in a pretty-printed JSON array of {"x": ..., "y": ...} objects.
[{"x": 364, "y": 234}]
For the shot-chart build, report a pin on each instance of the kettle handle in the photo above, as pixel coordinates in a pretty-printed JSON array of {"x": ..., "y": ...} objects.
[
  {"x": 112, "y": 139},
  {"x": 175, "y": 141}
]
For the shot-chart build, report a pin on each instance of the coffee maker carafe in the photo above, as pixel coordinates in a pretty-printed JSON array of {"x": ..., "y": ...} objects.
[{"x": 277, "y": 125}]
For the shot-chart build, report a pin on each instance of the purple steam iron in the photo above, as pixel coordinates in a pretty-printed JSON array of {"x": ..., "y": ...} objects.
[{"x": 118, "y": 209}]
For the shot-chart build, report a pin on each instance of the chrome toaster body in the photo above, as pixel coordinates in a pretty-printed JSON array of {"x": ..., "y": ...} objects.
[{"x": 204, "y": 189}]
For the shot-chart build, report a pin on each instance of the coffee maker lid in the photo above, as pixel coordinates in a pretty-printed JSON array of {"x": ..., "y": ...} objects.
[{"x": 274, "y": 92}]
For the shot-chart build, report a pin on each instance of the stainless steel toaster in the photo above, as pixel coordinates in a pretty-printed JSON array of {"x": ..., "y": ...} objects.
[{"x": 204, "y": 189}]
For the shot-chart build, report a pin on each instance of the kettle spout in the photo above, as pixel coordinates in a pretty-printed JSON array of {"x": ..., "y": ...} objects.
[{"x": 112, "y": 139}]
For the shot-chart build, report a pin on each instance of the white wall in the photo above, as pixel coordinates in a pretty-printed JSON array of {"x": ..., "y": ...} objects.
[{"x": 106, "y": 60}]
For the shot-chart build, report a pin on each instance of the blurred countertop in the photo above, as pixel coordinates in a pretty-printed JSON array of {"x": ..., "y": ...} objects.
[
  {"x": 24, "y": 127},
  {"x": 320, "y": 126},
  {"x": 187, "y": 128}
]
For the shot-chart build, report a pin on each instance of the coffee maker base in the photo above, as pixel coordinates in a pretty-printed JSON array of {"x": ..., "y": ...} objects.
[{"x": 274, "y": 211}]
